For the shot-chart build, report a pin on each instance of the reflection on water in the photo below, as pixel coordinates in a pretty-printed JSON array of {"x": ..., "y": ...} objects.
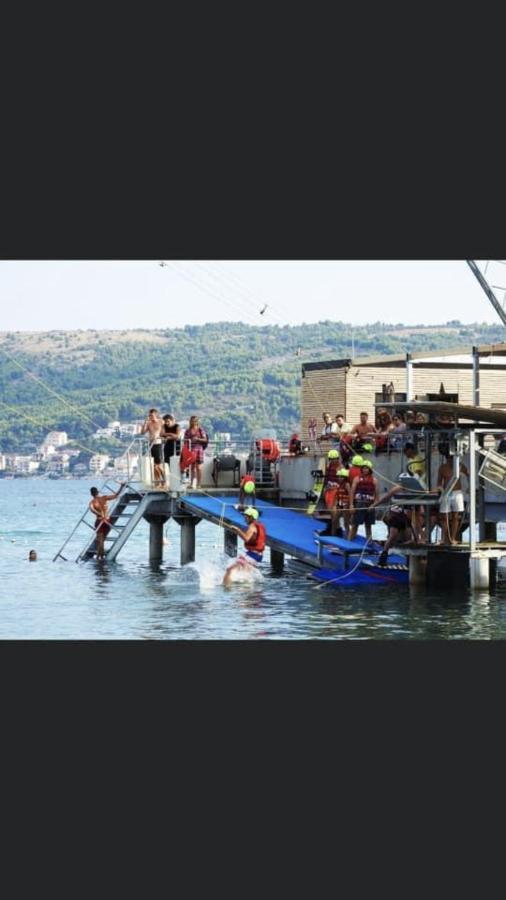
[{"x": 135, "y": 599}]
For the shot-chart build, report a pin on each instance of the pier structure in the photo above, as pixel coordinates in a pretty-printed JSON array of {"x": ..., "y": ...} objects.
[{"x": 467, "y": 434}]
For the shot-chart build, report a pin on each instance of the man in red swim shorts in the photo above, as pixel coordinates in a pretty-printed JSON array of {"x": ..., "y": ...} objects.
[{"x": 99, "y": 506}]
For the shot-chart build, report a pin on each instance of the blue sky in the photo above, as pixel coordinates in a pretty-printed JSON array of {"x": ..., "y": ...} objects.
[{"x": 39, "y": 296}]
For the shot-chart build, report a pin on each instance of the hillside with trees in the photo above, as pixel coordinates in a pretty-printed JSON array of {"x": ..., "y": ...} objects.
[{"x": 236, "y": 377}]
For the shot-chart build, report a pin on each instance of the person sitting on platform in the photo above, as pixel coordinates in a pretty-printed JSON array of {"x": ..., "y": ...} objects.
[
  {"x": 399, "y": 426},
  {"x": 362, "y": 430},
  {"x": 384, "y": 426},
  {"x": 342, "y": 426},
  {"x": 329, "y": 431},
  {"x": 364, "y": 492},
  {"x": 254, "y": 544}
]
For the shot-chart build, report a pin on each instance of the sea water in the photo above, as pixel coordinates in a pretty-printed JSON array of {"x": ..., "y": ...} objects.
[{"x": 131, "y": 599}]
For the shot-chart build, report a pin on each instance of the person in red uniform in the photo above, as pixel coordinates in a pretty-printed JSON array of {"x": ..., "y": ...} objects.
[
  {"x": 364, "y": 492},
  {"x": 254, "y": 544},
  {"x": 247, "y": 495},
  {"x": 356, "y": 467},
  {"x": 337, "y": 501}
]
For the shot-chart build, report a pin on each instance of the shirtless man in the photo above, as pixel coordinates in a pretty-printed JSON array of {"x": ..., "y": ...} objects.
[
  {"x": 363, "y": 428},
  {"x": 99, "y": 505},
  {"x": 451, "y": 507},
  {"x": 154, "y": 426}
]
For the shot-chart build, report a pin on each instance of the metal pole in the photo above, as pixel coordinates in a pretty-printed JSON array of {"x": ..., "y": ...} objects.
[
  {"x": 476, "y": 377},
  {"x": 428, "y": 481},
  {"x": 488, "y": 290},
  {"x": 472, "y": 491},
  {"x": 409, "y": 377}
]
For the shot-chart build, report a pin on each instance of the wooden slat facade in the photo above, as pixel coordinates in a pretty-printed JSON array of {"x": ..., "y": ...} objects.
[
  {"x": 322, "y": 390},
  {"x": 351, "y": 389}
]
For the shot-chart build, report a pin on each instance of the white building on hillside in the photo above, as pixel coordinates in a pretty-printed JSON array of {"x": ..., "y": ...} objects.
[
  {"x": 56, "y": 439},
  {"x": 104, "y": 432},
  {"x": 98, "y": 462},
  {"x": 25, "y": 465},
  {"x": 130, "y": 429}
]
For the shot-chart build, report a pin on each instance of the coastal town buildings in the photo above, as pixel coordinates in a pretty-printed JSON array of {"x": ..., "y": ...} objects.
[{"x": 98, "y": 462}]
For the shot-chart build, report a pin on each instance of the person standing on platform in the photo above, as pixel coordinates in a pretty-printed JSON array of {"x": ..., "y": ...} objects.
[
  {"x": 196, "y": 439},
  {"x": 171, "y": 433},
  {"x": 364, "y": 492},
  {"x": 451, "y": 508},
  {"x": 153, "y": 426}
]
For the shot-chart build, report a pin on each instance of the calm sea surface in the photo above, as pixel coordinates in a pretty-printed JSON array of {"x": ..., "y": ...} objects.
[{"x": 131, "y": 599}]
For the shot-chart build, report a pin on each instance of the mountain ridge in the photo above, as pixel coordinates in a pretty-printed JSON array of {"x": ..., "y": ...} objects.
[{"x": 237, "y": 377}]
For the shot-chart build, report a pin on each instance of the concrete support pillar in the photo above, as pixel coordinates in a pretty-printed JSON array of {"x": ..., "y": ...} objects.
[
  {"x": 277, "y": 561},
  {"x": 187, "y": 541},
  {"x": 230, "y": 542},
  {"x": 417, "y": 569},
  {"x": 156, "y": 540},
  {"x": 479, "y": 571}
]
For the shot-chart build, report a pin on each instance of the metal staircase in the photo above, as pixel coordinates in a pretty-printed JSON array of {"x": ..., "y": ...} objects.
[{"x": 124, "y": 514}]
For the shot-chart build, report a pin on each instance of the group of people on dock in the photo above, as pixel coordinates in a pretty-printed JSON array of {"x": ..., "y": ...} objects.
[
  {"x": 351, "y": 491},
  {"x": 166, "y": 441}
]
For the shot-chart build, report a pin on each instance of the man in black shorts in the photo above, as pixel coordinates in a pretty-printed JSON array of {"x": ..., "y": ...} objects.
[
  {"x": 171, "y": 433},
  {"x": 400, "y": 530},
  {"x": 153, "y": 426}
]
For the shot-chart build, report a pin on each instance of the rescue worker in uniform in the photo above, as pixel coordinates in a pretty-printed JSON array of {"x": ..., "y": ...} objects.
[{"x": 364, "y": 492}]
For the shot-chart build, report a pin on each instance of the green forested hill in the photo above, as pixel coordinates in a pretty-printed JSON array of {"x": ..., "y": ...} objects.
[{"x": 236, "y": 377}]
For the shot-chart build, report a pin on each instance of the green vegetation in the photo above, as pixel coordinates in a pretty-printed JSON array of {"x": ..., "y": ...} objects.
[{"x": 236, "y": 377}]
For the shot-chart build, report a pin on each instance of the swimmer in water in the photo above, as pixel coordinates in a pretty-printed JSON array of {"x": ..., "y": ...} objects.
[
  {"x": 254, "y": 544},
  {"x": 32, "y": 556}
]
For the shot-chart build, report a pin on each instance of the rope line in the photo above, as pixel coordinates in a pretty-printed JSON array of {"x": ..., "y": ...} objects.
[
  {"x": 48, "y": 389},
  {"x": 29, "y": 418}
]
